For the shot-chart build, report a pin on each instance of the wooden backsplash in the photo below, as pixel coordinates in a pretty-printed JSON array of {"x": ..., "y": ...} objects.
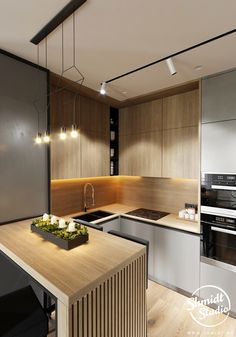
[
  {"x": 162, "y": 194},
  {"x": 67, "y": 195},
  {"x": 154, "y": 193}
]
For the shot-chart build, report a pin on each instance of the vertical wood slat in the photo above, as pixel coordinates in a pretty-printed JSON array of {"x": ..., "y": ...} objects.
[{"x": 116, "y": 308}]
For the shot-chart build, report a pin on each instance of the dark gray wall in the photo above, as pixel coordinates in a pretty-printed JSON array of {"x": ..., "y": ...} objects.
[{"x": 23, "y": 164}]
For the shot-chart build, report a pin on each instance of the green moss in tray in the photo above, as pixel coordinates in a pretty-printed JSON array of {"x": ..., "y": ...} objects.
[{"x": 60, "y": 232}]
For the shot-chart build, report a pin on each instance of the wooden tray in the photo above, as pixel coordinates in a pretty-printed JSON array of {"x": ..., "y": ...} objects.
[{"x": 62, "y": 243}]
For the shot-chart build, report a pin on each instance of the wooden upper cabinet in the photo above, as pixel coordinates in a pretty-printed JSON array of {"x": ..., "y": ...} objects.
[
  {"x": 140, "y": 154},
  {"x": 87, "y": 155},
  {"x": 181, "y": 110},
  {"x": 141, "y": 118},
  {"x": 180, "y": 135},
  {"x": 181, "y": 153},
  {"x": 93, "y": 116},
  {"x": 160, "y": 138},
  {"x": 140, "y": 129}
]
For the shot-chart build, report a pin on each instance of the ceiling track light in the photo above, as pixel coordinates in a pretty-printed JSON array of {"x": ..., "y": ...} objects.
[
  {"x": 171, "y": 66},
  {"x": 200, "y": 44},
  {"x": 63, "y": 134},
  {"x": 103, "y": 88}
]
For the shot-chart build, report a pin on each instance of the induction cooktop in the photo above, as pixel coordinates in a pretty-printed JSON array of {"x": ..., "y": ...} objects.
[{"x": 147, "y": 213}]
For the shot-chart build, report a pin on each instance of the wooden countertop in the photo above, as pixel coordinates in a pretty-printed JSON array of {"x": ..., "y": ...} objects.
[
  {"x": 67, "y": 274},
  {"x": 171, "y": 220}
]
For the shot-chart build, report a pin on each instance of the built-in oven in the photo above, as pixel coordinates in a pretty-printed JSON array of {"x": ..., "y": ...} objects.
[
  {"x": 218, "y": 217},
  {"x": 218, "y": 241}
]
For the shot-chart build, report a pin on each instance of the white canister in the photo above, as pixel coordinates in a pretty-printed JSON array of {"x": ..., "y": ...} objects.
[
  {"x": 192, "y": 216},
  {"x": 182, "y": 213},
  {"x": 187, "y": 216},
  {"x": 191, "y": 211}
]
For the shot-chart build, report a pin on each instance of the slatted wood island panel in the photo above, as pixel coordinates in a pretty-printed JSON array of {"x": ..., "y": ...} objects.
[{"x": 100, "y": 286}]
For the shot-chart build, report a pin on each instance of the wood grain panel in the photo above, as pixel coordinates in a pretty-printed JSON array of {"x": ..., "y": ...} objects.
[
  {"x": 88, "y": 155},
  {"x": 100, "y": 314},
  {"x": 168, "y": 195},
  {"x": 65, "y": 158},
  {"x": 67, "y": 195},
  {"x": 181, "y": 110},
  {"x": 140, "y": 118},
  {"x": 141, "y": 154},
  {"x": 95, "y": 154},
  {"x": 180, "y": 153}
]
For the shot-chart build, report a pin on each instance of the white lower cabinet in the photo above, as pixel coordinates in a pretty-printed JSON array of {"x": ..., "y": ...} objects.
[
  {"x": 143, "y": 231},
  {"x": 177, "y": 258},
  {"x": 174, "y": 256},
  {"x": 225, "y": 279},
  {"x": 113, "y": 224}
]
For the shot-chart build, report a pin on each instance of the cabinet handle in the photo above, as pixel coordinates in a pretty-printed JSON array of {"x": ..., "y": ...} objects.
[
  {"x": 226, "y": 188},
  {"x": 222, "y": 230}
]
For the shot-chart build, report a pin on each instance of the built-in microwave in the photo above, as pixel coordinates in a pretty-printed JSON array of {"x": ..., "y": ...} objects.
[{"x": 218, "y": 194}]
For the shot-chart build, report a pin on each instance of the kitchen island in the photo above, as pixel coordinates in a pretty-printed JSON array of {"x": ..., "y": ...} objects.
[{"x": 99, "y": 287}]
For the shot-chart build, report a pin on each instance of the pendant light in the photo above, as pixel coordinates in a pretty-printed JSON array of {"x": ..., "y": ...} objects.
[
  {"x": 38, "y": 139},
  {"x": 46, "y": 137},
  {"x": 63, "y": 134},
  {"x": 74, "y": 129}
]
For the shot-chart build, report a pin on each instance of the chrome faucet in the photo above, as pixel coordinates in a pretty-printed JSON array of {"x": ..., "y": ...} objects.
[{"x": 85, "y": 195}]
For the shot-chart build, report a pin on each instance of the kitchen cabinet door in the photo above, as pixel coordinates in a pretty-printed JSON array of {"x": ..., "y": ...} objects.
[
  {"x": 141, "y": 154},
  {"x": 143, "y": 231},
  {"x": 181, "y": 110},
  {"x": 95, "y": 154},
  {"x": 181, "y": 153},
  {"x": 225, "y": 279},
  {"x": 218, "y": 97},
  {"x": 177, "y": 258},
  {"x": 65, "y": 158},
  {"x": 113, "y": 224},
  {"x": 218, "y": 147},
  {"x": 141, "y": 118}
]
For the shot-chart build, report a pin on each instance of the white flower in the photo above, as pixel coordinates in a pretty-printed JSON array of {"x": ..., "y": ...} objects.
[
  {"x": 71, "y": 227},
  {"x": 62, "y": 223},
  {"x": 45, "y": 217},
  {"x": 53, "y": 220}
]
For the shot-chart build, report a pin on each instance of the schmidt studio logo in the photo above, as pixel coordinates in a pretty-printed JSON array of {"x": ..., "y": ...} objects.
[{"x": 213, "y": 309}]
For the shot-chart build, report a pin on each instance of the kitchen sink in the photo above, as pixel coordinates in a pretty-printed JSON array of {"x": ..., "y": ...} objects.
[{"x": 92, "y": 216}]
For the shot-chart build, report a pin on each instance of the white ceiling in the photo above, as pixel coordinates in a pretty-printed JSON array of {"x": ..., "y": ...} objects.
[{"x": 113, "y": 37}]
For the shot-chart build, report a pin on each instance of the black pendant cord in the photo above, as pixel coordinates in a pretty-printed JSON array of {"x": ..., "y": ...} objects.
[{"x": 173, "y": 55}]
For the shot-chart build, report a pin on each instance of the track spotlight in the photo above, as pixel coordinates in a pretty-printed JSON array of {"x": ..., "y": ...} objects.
[
  {"x": 103, "y": 88},
  {"x": 171, "y": 66}
]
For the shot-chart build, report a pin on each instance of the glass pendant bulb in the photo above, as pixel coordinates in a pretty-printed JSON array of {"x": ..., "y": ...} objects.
[
  {"x": 46, "y": 137},
  {"x": 38, "y": 139},
  {"x": 74, "y": 131},
  {"x": 63, "y": 134}
]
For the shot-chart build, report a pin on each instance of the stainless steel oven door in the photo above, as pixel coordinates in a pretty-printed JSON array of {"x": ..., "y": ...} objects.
[{"x": 219, "y": 242}]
